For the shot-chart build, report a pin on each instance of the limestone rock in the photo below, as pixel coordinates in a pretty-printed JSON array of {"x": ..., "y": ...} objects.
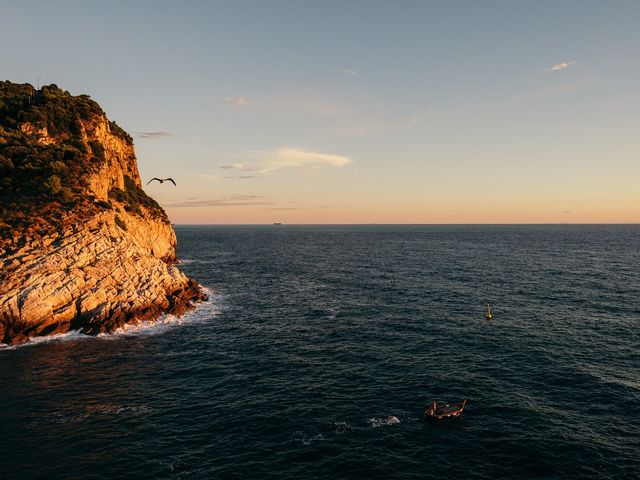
[{"x": 101, "y": 267}]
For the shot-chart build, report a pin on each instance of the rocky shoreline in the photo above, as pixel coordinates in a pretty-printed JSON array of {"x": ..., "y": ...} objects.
[{"x": 93, "y": 278}]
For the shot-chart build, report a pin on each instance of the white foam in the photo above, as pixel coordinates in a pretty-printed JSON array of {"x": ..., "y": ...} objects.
[
  {"x": 203, "y": 312},
  {"x": 306, "y": 439},
  {"x": 382, "y": 422},
  {"x": 341, "y": 427},
  {"x": 188, "y": 261},
  {"x": 58, "y": 337}
]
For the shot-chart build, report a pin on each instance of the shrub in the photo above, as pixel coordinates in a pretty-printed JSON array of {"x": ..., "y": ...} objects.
[
  {"x": 97, "y": 150},
  {"x": 119, "y": 132},
  {"x": 133, "y": 197},
  {"x": 5, "y": 163},
  {"x": 103, "y": 204},
  {"x": 52, "y": 185},
  {"x": 120, "y": 223},
  {"x": 66, "y": 195},
  {"x": 57, "y": 167}
]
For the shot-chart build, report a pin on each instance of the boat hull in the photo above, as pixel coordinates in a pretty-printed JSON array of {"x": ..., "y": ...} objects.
[{"x": 445, "y": 411}]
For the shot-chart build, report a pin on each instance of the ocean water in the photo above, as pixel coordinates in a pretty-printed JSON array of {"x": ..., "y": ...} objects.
[{"x": 313, "y": 336}]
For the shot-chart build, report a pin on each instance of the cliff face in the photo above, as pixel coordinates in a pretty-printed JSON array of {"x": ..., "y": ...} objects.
[{"x": 82, "y": 247}]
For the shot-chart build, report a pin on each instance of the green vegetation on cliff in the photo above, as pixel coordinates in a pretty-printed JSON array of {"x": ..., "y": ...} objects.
[
  {"x": 133, "y": 197},
  {"x": 46, "y": 160}
]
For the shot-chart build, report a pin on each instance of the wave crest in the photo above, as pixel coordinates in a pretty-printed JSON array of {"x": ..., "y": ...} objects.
[{"x": 201, "y": 313}]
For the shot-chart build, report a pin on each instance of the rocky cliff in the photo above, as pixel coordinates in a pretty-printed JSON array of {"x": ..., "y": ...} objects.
[{"x": 82, "y": 247}]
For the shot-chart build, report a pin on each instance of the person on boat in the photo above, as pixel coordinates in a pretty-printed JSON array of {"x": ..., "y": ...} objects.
[{"x": 434, "y": 407}]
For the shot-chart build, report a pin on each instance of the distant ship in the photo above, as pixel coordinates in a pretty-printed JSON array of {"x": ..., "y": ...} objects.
[{"x": 277, "y": 223}]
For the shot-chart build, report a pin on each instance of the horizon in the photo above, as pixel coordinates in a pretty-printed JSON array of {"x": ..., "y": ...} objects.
[{"x": 358, "y": 113}]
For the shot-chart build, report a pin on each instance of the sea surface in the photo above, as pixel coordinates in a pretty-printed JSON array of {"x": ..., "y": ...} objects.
[{"x": 314, "y": 335}]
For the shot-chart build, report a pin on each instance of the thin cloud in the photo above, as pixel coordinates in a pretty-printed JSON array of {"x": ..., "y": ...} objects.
[
  {"x": 154, "y": 135},
  {"x": 349, "y": 71},
  {"x": 416, "y": 119},
  {"x": 290, "y": 157},
  {"x": 237, "y": 101},
  {"x": 233, "y": 201},
  {"x": 245, "y": 197},
  {"x": 560, "y": 66},
  {"x": 237, "y": 166},
  {"x": 352, "y": 123},
  {"x": 293, "y": 157},
  {"x": 336, "y": 115}
]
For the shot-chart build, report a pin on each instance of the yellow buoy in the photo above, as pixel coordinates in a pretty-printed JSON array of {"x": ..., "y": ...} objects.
[{"x": 488, "y": 316}]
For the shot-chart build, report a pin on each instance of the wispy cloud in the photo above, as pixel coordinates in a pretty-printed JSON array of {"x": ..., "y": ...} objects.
[
  {"x": 232, "y": 201},
  {"x": 416, "y": 119},
  {"x": 246, "y": 197},
  {"x": 349, "y": 71},
  {"x": 237, "y": 101},
  {"x": 153, "y": 135},
  {"x": 298, "y": 157},
  {"x": 560, "y": 66},
  {"x": 289, "y": 157},
  {"x": 336, "y": 114},
  {"x": 339, "y": 116},
  {"x": 237, "y": 166}
]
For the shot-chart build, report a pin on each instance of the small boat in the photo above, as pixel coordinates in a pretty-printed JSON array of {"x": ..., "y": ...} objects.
[
  {"x": 446, "y": 410},
  {"x": 488, "y": 315},
  {"x": 277, "y": 223}
]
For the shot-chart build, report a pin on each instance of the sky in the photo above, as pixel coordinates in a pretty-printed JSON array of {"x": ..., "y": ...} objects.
[{"x": 357, "y": 111}]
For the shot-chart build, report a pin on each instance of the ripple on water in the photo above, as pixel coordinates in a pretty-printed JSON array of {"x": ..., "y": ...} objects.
[{"x": 320, "y": 335}]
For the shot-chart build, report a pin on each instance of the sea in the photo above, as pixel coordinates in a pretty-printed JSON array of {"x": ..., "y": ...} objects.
[{"x": 313, "y": 337}]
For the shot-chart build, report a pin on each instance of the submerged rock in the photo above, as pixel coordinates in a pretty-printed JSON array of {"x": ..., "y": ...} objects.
[{"x": 81, "y": 245}]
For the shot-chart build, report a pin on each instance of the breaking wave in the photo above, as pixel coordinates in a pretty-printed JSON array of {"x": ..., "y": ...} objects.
[
  {"x": 202, "y": 313},
  {"x": 383, "y": 422}
]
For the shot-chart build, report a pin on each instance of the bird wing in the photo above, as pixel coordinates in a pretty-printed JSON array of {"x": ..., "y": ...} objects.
[
  {"x": 154, "y": 178},
  {"x": 171, "y": 180}
]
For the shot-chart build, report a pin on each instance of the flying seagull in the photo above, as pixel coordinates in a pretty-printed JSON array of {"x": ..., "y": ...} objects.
[{"x": 162, "y": 180}]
